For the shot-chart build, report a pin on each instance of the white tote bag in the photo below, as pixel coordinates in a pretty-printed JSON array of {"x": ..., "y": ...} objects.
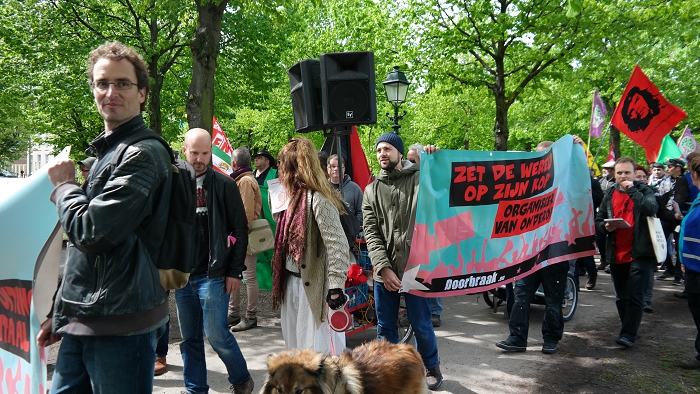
[
  {"x": 658, "y": 239},
  {"x": 260, "y": 237}
]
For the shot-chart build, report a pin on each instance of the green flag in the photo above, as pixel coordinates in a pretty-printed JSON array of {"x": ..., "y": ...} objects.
[{"x": 669, "y": 150}]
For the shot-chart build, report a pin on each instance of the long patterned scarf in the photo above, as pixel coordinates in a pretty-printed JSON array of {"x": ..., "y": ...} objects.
[{"x": 289, "y": 240}]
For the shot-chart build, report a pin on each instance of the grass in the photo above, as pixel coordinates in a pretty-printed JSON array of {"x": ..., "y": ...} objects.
[{"x": 669, "y": 378}]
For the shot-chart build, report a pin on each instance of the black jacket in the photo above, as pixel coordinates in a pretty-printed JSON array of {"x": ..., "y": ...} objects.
[
  {"x": 644, "y": 205},
  {"x": 110, "y": 284},
  {"x": 226, "y": 215}
]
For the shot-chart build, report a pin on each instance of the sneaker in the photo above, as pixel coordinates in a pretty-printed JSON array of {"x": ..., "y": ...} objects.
[
  {"x": 232, "y": 321},
  {"x": 403, "y": 320},
  {"x": 693, "y": 363},
  {"x": 245, "y": 324},
  {"x": 681, "y": 294},
  {"x": 244, "y": 388},
  {"x": 433, "y": 377},
  {"x": 161, "y": 366},
  {"x": 509, "y": 346},
  {"x": 663, "y": 276},
  {"x": 590, "y": 284},
  {"x": 435, "y": 319},
  {"x": 549, "y": 348},
  {"x": 601, "y": 266},
  {"x": 678, "y": 282},
  {"x": 607, "y": 270},
  {"x": 626, "y": 342},
  {"x": 648, "y": 308}
]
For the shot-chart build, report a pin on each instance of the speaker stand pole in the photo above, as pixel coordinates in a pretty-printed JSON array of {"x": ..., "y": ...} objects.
[{"x": 340, "y": 162}]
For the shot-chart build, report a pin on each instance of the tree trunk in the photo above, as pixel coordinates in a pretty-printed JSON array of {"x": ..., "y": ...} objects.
[
  {"x": 615, "y": 140},
  {"x": 155, "y": 118},
  {"x": 500, "y": 128},
  {"x": 205, "y": 51}
]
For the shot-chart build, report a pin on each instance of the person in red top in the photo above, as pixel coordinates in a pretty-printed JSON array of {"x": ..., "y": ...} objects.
[{"x": 629, "y": 248}]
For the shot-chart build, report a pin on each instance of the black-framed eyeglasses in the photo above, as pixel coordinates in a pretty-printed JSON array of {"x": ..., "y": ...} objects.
[{"x": 103, "y": 86}]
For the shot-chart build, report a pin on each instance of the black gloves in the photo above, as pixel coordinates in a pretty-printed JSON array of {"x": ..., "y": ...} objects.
[{"x": 338, "y": 302}]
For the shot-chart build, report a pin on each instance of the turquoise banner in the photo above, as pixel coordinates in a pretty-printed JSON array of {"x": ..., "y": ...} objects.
[
  {"x": 485, "y": 219},
  {"x": 30, "y": 253}
]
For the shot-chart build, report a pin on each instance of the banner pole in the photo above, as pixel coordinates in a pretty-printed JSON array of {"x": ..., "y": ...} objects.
[{"x": 602, "y": 140}]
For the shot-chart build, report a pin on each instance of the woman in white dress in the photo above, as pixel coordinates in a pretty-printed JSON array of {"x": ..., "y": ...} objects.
[{"x": 311, "y": 258}]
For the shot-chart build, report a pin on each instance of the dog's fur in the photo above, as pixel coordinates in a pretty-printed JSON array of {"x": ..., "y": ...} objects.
[{"x": 377, "y": 367}]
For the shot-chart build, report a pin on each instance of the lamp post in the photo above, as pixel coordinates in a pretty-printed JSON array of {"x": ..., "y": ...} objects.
[{"x": 396, "y": 87}]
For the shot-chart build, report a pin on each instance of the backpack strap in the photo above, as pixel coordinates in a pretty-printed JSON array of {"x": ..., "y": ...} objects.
[{"x": 141, "y": 135}]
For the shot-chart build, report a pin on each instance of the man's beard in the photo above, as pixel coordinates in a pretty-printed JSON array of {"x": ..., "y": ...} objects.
[{"x": 390, "y": 165}]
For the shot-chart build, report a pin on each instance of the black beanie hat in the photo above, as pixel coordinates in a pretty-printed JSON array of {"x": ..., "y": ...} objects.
[{"x": 391, "y": 138}]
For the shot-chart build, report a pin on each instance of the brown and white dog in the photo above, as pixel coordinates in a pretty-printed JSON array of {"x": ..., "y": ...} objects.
[{"x": 377, "y": 367}]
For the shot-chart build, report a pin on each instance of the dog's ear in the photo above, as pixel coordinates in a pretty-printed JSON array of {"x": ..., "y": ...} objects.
[{"x": 321, "y": 366}]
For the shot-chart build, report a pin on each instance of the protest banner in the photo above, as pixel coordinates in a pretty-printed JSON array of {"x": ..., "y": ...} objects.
[
  {"x": 30, "y": 257},
  {"x": 644, "y": 115},
  {"x": 221, "y": 150},
  {"x": 687, "y": 142},
  {"x": 485, "y": 219},
  {"x": 598, "y": 113}
]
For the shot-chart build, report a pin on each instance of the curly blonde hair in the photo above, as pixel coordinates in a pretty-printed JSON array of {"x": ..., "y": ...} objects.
[{"x": 298, "y": 164}]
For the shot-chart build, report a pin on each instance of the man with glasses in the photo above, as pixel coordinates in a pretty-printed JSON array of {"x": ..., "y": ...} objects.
[
  {"x": 110, "y": 308},
  {"x": 84, "y": 166}
]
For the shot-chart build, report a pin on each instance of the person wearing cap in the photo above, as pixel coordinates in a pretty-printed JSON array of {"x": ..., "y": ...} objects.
[
  {"x": 264, "y": 164},
  {"x": 389, "y": 212},
  {"x": 658, "y": 180},
  {"x": 675, "y": 200},
  {"x": 608, "y": 178},
  {"x": 606, "y": 182},
  {"x": 264, "y": 171},
  {"x": 84, "y": 166}
]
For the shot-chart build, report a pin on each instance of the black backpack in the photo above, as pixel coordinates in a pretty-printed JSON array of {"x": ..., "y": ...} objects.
[{"x": 176, "y": 257}]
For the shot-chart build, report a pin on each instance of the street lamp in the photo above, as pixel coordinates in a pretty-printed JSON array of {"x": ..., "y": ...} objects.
[{"x": 396, "y": 86}]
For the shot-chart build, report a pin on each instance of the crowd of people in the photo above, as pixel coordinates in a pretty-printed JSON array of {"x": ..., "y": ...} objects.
[{"x": 112, "y": 313}]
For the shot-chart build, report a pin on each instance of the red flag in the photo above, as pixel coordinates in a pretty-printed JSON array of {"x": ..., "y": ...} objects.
[
  {"x": 644, "y": 115},
  {"x": 611, "y": 154},
  {"x": 360, "y": 168}
]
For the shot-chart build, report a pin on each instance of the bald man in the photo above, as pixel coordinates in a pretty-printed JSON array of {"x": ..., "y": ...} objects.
[{"x": 203, "y": 303}]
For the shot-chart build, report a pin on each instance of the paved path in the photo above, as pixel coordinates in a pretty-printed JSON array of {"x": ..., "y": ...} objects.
[{"x": 470, "y": 361}]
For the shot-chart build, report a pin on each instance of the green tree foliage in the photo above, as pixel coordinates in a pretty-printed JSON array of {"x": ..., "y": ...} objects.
[{"x": 484, "y": 73}]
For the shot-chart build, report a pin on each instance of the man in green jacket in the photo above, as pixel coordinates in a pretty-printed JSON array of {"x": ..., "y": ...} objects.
[{"x": 389, "y": 215}]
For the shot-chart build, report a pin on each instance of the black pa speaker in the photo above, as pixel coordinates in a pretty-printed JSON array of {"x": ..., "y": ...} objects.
[
  {"x": 305, "y": 85},
  {"x": 347, "y": 88}
]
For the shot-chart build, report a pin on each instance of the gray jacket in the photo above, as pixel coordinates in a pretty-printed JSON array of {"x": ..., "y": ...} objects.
[{"x": 352, "y": 194}]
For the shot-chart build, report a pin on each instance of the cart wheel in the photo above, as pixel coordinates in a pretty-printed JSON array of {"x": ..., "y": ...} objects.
[
  {"x": 405, "y": 331},
  {"x": 490, "y": 296},
  {"x": 568, "y": 307}
]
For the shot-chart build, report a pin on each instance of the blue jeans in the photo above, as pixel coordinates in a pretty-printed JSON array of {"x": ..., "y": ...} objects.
[
  {"x": 387, "y": 306},
  {"x": 553, "y": 279},
  {"x": 435, "y": 306},
  {"x": 630, "y": 281},
  {"x": 163, "y": 341},
  {"x": 203, "y": 305},
  {"x": 106, "y": 364}
]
